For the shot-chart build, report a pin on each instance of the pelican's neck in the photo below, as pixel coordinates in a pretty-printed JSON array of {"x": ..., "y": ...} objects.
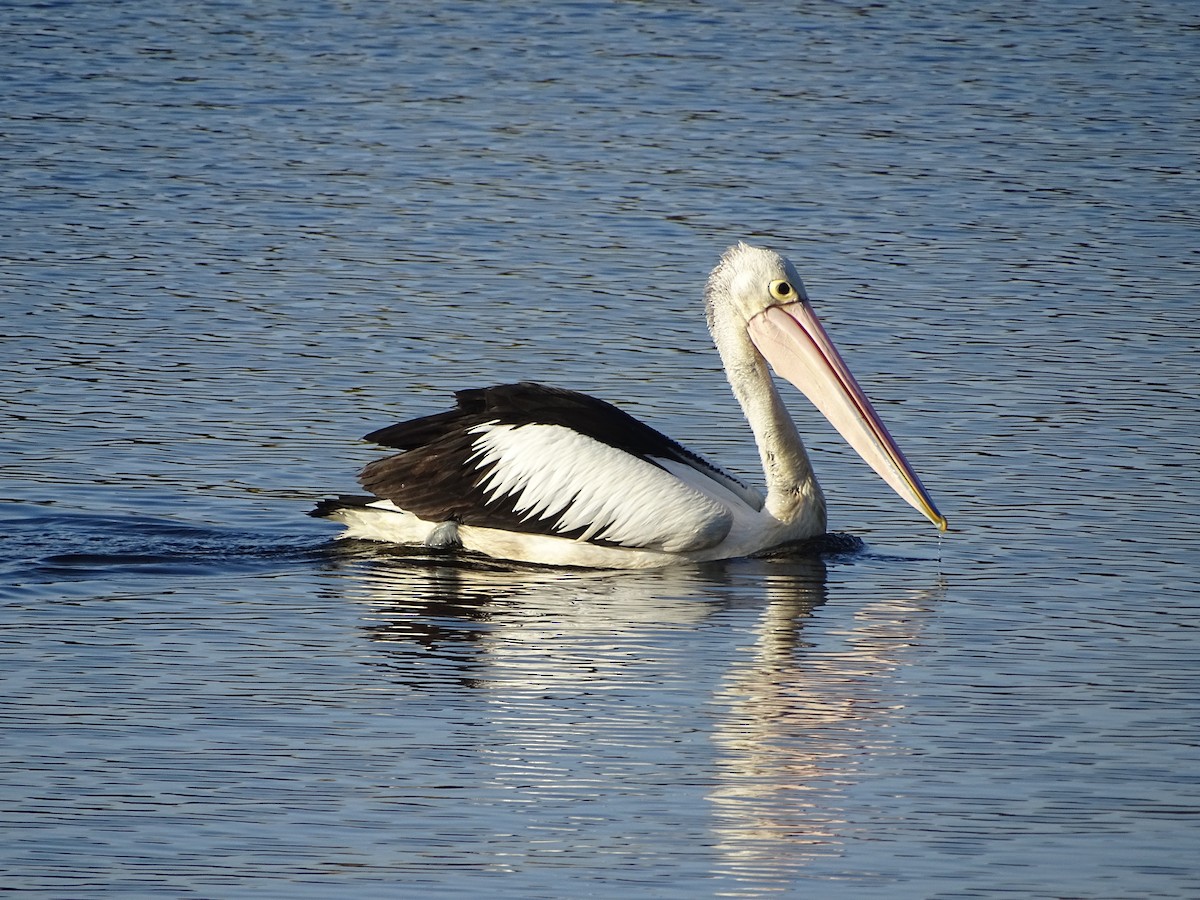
[{"x": 793, "y": 495}]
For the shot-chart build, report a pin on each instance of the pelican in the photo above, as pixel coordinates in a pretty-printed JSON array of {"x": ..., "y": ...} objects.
[{"x": 538, "y": 474}]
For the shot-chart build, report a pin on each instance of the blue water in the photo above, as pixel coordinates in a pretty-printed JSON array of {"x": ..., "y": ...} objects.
[{"x": 237, "y": 236}]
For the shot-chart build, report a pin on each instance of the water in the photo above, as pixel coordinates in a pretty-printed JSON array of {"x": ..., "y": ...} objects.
[{"x": 238, "y": 236}]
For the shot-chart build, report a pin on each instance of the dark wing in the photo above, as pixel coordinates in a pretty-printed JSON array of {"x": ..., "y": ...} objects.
[
  {"x": 530, "y": 458},
  {"x": 530, "y": 403}
]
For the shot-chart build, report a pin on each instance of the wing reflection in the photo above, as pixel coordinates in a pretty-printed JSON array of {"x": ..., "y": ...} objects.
[{"x": 494, "y": 613}]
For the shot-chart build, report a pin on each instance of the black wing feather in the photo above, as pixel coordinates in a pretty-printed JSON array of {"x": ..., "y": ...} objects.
[
  {"x": 528, "y": 403},
  {"x": 437, "y": 482},
  {"x": 436, "y": 479}
]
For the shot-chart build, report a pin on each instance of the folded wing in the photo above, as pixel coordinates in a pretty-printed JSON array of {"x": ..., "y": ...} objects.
[{"x": 544, "y": 460}]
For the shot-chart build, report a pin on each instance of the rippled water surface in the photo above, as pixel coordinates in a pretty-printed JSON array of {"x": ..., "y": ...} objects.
[{"x": 237, "y": 236}]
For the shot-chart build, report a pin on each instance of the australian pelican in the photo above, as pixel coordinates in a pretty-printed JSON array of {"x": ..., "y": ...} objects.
[{"x": 544, "y": 475}]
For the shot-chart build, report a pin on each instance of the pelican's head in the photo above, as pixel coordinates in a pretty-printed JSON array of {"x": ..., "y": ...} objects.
[
  {"x": 759, "y": 294},
  {"x": 749, "y": 279}
]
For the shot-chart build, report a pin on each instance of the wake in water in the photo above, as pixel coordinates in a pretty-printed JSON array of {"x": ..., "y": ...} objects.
[{"x": 46, "y": 544}]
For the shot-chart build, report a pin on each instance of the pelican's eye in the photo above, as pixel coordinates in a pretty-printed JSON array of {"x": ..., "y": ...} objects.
[{"x": 782, "y": 290}]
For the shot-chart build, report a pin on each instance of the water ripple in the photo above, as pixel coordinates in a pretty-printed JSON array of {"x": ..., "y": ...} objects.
[{"x": 235, "y": 240}]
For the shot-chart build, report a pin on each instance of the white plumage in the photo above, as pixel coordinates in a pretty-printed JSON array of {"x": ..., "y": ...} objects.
[{"x": 579, "y": 483}]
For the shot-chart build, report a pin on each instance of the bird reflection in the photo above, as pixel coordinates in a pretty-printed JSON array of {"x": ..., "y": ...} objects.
[
  {"x": 583, "y": 677},
  {"x": 798, "y": 725}
]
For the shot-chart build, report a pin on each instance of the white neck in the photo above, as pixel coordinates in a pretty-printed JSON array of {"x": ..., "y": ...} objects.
[{"x": 793, "y": 495}]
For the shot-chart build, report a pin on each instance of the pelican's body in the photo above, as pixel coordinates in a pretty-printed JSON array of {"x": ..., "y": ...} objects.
[{"x": 537, "y": 474}]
